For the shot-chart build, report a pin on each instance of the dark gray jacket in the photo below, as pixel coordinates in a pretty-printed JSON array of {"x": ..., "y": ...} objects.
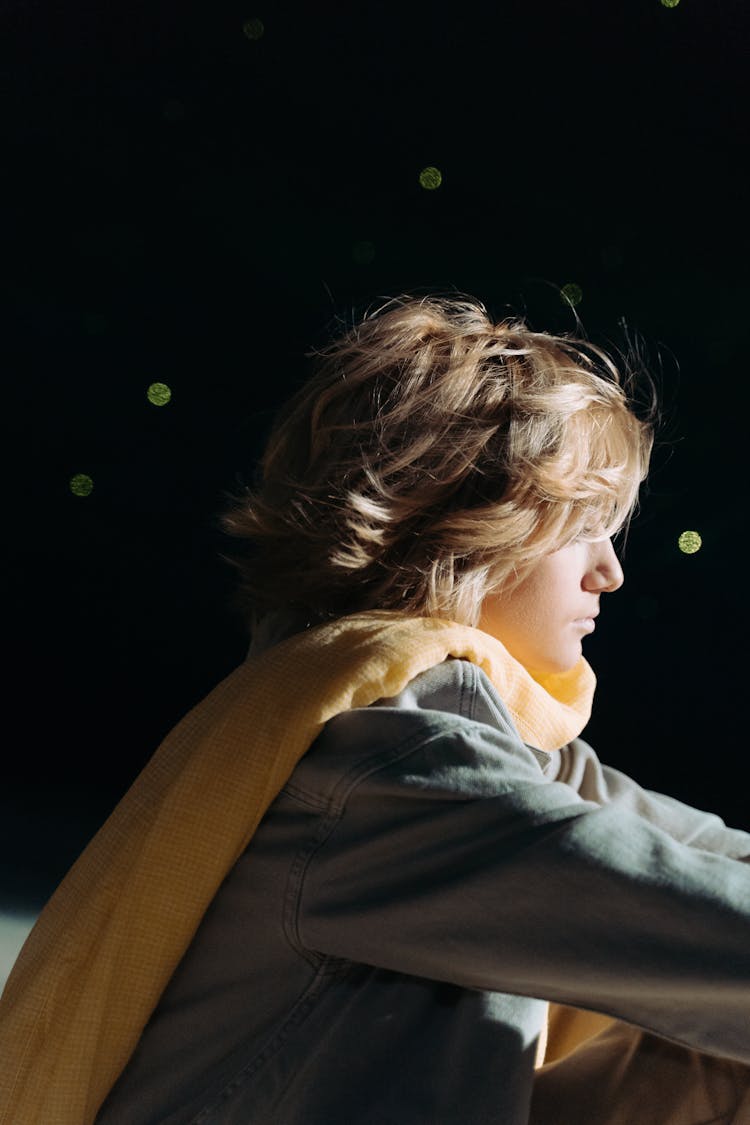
[{"x": 383, "y": 952}]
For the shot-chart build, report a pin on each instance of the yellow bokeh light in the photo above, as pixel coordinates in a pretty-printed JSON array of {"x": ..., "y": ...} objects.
[
  {"x": 253, "y": 29},
  {"x": 430, "y": 178},
  {"x": 670, "y": 3},
  {"x": 689, "y": 542},
  {"x": 572, "y": 293},
  {"x": 159, "y": 394},
  {"x": 81, "y": 485}
]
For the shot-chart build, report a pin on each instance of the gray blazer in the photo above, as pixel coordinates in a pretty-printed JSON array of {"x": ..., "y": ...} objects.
[{"x": 383, "y": 951}]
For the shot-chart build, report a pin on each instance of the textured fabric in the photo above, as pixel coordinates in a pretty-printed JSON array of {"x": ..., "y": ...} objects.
[
  {"x": 618, "y": 1075},
  {"x": 422, "y": 888},
  {"x": 105, "y": 946}
]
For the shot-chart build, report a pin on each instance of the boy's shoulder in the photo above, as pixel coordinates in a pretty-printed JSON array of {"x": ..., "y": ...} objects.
[{"x": 451, "y": 715}]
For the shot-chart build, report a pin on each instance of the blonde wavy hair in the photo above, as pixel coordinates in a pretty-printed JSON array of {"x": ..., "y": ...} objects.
[{"x": 432, "y": 457}]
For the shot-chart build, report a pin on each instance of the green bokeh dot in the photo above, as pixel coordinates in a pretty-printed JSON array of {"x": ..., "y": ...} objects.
[
  {"x": 159, "y": 394},
  {"x": 689, "y": 542},
  {"x": 430, "y": 178},
  {"x": 81, "y": 485},
  {"x": 669, "y": 3},
  {"x": 571, "y": 293},
  {"x": 253, "y": 28}
]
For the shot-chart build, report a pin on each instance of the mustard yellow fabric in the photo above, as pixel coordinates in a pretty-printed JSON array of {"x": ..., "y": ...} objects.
[
  {"x": 567, "y": 1028},
  {"x": 106, "y": 944}
]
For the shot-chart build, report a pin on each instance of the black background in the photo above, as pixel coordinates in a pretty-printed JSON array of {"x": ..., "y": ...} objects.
[{"x": 184, "y": 203}]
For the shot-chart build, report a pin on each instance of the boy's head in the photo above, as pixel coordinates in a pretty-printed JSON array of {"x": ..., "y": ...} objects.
[{"x": 434, "y": 456}]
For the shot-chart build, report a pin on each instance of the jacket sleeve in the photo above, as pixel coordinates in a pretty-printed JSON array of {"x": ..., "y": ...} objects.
[
  {"x": 580, "y": 767},
  {"x": 457, "y": 860}
]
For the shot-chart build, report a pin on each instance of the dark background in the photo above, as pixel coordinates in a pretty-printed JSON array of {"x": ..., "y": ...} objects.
[{"x": 187, "y": 200}]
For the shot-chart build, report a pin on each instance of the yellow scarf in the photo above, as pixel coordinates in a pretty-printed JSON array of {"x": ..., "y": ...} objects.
[{"x": 104, "y": 947}]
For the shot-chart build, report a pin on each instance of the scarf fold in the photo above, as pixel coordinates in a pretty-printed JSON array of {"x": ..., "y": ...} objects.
[{"x": 105, "y": 945}]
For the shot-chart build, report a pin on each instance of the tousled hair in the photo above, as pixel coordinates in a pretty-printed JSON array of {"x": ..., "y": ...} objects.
[{"x": 432, "y": 457}]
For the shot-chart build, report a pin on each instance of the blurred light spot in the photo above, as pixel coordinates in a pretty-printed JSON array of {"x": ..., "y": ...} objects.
[
  {"x": 430, "y": 178},
  {"x": 253, "y": 29},
  {"x": 81, "y": 485},
  {"x": 670, "y": 3},
  {"x": 159, "y": 394},
  {"x": 363, "y": 252},
  {"x": 689, "y": 542},
  {"x": 572, "y": 293},
  {"x": 173, "y": 110}
]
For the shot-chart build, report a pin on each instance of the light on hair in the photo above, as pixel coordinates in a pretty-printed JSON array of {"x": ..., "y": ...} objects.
[{"x": 433, "y": 456}]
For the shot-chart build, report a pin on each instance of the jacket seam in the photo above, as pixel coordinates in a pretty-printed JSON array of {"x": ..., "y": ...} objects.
[
  {"x": 303, "y": 797},
  {"x": 302, "y": 860},
  {"x": 543, "y": 757},
  {"x": 335, "y": 810},
  {"x": 301, "y": 1009},
  {"x": 470, "y": 681}
]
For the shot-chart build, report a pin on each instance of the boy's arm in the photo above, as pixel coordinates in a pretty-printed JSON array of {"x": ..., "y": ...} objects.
[
  {"x": 457, "y": 860},
  {"x": 581, "y": 769}
]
